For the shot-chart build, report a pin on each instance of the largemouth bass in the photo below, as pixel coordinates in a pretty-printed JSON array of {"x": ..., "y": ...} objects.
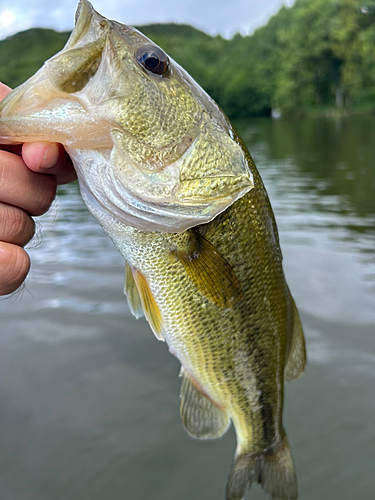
[{"x": 168, "y": 178}]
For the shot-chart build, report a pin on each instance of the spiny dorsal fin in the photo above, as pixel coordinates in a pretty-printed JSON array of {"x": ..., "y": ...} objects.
[
  {"x": 150, "y": 308},
  {"x": 296, "y": 358},
  {"x": 201, "y": 417},
  {"x": 130, "y": 288},
  {"x": 210, "y": 272}
]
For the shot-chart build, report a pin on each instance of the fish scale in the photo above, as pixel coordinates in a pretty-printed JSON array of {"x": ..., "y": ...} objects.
[
  {"x": 189, "y": 334},
  {"x": 168, "y": 178}
]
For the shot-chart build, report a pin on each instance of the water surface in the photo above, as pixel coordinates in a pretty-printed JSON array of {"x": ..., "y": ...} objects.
[{"x": 89, "y": 398}]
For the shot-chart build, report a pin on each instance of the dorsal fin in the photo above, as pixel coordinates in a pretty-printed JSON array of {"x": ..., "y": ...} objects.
[
  {"x": 149, "y": 305},
  {"x": 130, "y": 289},
  {"x": 296, "y": 357},
  {"x": 201, "y": 417},
  {"x": 210, "y": 272}
]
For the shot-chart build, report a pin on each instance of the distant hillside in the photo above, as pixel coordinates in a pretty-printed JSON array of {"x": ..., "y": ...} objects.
[
  {"x": 22, "y": 54},
  {"x": 184, "y": 31},
  {"x": 25, "y": 52},
  {"x": 315, "y": 54}
]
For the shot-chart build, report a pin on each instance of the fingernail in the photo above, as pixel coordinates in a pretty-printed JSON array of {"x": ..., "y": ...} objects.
[{"x": 45, "y": 162}]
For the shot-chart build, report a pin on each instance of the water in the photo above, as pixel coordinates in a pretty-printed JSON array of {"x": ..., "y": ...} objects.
[{"x": 89, "y": 398}]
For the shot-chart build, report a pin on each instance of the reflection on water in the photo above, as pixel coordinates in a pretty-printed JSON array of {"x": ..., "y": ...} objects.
[
  {"x": 335, "y": 157},
  {"x": 89, "y": 397},
  {"x": 320, "y": 176}
]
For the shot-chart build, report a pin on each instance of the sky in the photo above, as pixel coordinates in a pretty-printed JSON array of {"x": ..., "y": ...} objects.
[{"x": 226, "y": 17}]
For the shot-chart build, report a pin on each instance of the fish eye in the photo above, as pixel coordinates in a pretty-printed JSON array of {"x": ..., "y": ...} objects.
[{"x": 152, "y": 59}]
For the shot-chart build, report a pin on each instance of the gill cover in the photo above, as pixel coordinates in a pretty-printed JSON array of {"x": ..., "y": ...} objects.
[{"x": 151, "y": 149}]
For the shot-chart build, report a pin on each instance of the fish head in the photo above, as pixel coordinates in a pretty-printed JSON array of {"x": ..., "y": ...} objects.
[{"x": 150, "y": 147}]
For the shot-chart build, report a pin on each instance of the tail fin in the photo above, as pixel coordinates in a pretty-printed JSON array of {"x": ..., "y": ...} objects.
[{"x": 273, "y": 470}]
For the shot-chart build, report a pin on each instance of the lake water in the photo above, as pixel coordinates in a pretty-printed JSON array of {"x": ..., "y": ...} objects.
[{"x": 90, "y": 399}]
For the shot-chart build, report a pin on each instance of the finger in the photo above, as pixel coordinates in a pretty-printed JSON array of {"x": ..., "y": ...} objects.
[
  {"x": 23, "y": 188},
  {"x": 4, "y": 90},
  {"x": 49, "y": 158},
  {"x": 14, "y": 267},
  {"x": 12, "y": 148},
  {"x": 15, "y": 225}
]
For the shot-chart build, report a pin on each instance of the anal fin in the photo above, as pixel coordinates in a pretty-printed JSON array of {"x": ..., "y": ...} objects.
[
  {"x": 130, "y": 289},
  {"x": 296, "y": 356},
  {"x": 201, "y": 417},
  {"x": 149, "y": 305}
]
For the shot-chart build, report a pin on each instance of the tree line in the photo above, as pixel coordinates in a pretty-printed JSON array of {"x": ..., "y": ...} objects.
[{"x": 315, "y": 53}]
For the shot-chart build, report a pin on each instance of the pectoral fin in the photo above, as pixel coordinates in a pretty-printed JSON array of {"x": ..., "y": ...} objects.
[
  {"x": 201, "y": 417},
  {"x": 149, "y": 305},
  {"x": 130, "y": 289},
  {"x": 210, "y": 272},
  {"x": 296, "y": 356}
]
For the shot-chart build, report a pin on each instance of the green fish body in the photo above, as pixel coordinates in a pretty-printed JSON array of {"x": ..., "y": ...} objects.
[
  {"x": 175, "y": 188},
  {"x": 217, "y": 295}
]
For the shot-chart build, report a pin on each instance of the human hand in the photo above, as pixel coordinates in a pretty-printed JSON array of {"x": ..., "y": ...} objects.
[{"x": 29, "y": 174}]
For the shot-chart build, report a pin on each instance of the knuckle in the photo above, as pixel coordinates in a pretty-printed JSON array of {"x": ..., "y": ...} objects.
[
  {"x": 16, "y": 225},
  {"x": 19, "y": 223},
  {"x": 22, "y": 228},
  {"x": 46, "y": 195},
  {"x": 14, "y": 267}
]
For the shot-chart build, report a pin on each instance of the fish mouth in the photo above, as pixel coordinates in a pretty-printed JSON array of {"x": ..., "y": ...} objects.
[{"x": 170, "y": 182}]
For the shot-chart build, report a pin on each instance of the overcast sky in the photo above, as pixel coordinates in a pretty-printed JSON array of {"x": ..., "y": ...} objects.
[{"x": 213, "y": 16}]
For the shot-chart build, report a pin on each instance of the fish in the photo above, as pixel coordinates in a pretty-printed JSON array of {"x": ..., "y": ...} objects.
[{"x": 170, "y": 181}]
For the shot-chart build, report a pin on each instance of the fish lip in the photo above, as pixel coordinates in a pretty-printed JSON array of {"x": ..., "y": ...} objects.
[
  {"x": 88, "y": 23},
  {"x": 83, "y": 16},
  {"x": 87, "y": 20},
  {"x": 82, "y": 4}
]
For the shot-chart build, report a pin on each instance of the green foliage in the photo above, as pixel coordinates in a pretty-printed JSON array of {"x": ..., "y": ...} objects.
[
  {"x": 317, "y": 53},
  {"x": 22, "y": 54},
  {"x": 327, "y": 58}
]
